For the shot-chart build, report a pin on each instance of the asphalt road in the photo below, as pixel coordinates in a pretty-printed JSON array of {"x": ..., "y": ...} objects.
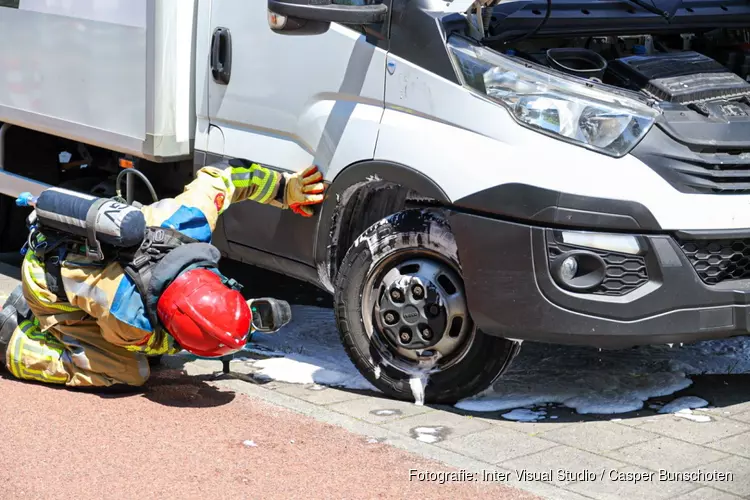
[{"x": 182, "y": 438}]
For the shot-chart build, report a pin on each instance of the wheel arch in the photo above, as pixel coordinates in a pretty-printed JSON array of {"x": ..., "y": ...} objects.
[{"x": 360, "y": 195}]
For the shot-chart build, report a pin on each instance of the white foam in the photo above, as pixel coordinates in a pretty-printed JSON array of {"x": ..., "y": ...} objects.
[
  {"x": 427, "y": 430},
  {"x": 523, "y": 415},
  {"x": 307, "y": 351},
  {"x": 385, "y": 413},
  {"x": 689, "y": 415},
  {"x": 296, "y": 369},
  {"x": 684, "y": 403},
  {"x": 417, "y": 385},
  {"x": 427, "y": 434},
  {"x": 608, "y": 382}
]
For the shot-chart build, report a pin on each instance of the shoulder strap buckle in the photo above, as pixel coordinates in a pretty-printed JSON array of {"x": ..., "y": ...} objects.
[
  {"x": 159, "y": 235},
  {"x": 94, "y": 250},
  {"x": 141, "y": 260}
]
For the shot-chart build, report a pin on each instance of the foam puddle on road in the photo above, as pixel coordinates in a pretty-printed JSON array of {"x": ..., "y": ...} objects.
[
  {"x": 607, "y": 382},
  {"x": 308, "y": 351}
]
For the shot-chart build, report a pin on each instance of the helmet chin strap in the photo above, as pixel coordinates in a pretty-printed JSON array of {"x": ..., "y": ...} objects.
[
  {"x": 228, "y": 282},
  {"x": 231, "y": 283}
]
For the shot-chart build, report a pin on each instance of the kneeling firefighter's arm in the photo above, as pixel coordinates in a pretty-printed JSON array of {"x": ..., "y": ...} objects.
[
  {"x": 262, "y": 184},
  {"x": 196, "y": 211}
]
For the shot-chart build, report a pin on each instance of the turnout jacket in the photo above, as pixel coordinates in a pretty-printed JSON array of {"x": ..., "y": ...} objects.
[{"x": 103, "y": 290}]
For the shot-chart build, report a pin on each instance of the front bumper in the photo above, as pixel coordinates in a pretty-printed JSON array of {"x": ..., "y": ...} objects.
[{"x": 512, "y": 293}]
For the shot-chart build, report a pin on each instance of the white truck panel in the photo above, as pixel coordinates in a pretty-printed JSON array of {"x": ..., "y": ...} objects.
[{"x": 113, "y": 73}]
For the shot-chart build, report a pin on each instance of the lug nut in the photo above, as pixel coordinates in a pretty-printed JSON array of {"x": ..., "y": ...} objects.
[
  {"x": 390, "y": 317},
  {"x": 418, "y": 291},
  {"x": 396, "y": 294},
  {"x": 405, "y": 336},
  {"x": 426, "y": 333}
]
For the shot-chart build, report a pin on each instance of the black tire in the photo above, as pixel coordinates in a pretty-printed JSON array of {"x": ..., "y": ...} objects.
[{"x": 422, "y": 232}]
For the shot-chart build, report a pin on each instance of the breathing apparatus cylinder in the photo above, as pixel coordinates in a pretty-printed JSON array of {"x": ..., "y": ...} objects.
[{"x": 99, "y": 219}]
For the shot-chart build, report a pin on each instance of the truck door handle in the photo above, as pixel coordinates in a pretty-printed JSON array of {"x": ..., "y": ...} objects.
[{"x": 221, "y": 56}]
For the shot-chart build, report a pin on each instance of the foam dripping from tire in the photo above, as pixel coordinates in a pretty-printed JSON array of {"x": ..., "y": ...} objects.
[{"x": 417, "y": 385}]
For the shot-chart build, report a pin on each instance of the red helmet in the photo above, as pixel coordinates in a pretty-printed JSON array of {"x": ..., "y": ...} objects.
[{"x": 203, "y": 315}]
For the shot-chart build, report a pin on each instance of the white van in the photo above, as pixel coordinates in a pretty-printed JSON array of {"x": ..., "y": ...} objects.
[{"x": 568, "y": 171}]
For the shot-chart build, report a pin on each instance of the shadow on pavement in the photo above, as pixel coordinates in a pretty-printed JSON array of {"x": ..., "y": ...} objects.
[
  {"x": 10, "y": 266},
  {"x": 165, "y": 387},
  {"x": 177, "y": 389}
]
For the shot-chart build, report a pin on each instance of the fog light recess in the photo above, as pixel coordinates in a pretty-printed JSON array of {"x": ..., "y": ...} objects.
[{"x": 578, "y": 270}]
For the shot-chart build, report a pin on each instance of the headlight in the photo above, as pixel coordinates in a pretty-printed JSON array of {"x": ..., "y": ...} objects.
[{"x": 566, "y": 107}]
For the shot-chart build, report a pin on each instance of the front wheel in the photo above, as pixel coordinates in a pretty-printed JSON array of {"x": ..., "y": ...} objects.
[{"x": 403, "y": 316}]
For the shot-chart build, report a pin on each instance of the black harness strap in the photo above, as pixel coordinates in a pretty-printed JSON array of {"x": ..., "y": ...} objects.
[
  {"x": 140, "y": 265},
  {"x": 53, "y": 274},
  {"x": 51, "y": 252}
]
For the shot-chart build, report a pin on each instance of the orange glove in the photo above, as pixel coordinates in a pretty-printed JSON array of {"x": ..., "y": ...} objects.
[{"x": 304, "y": 189}]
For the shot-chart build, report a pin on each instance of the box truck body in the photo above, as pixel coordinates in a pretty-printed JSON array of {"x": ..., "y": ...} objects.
[{"x": 116, "y": 74}]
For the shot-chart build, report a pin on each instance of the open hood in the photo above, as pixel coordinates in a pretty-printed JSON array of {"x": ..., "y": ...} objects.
[{"x": 465, "y": 6}]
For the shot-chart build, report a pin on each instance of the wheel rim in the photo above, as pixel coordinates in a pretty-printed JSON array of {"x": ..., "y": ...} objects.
[{"x": 415, "y": 312}]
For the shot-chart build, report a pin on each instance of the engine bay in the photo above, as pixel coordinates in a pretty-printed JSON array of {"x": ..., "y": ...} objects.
[
  {"x": 663, "y": 67},
  {"x": 702, "y": 81}
]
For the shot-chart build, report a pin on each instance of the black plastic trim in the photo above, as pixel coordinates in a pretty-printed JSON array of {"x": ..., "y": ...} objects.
[
  {"x": 331, "y": 13},
  {"x": 693, "y": 168},
  {"x": 417, "y": 34},
  {"x": 272, "y": 262},
  {"x": 362, "y": 172},
  {"x": 512, "y": 294},
  {"x": 714, "y": 234},
  {"x": 241, "y": 253},
  {"x": 534, "y": 204}
]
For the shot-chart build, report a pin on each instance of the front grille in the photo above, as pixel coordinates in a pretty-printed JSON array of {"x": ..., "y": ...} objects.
[
  {"x": 624, "y": 273},
  {"x": 716, "y": 261},
  {"x": 679, "y": 152},
  {"x": 714, "y": 173}
]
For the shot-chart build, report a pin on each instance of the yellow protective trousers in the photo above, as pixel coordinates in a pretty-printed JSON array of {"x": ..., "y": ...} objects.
[{"x": 73, "y": 353}]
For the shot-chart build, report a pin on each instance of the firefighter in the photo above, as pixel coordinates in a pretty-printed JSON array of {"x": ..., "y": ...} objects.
[{"x": 80, "y": 322}]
